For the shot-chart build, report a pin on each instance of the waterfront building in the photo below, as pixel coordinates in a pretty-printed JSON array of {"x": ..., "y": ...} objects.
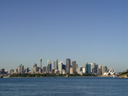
[
  {"x": 53, "y": 71},
  {"x": 16, "y": 70},
  {"x": 88, "y": 68},
  {"x": 83, "y": 70},
  {"x": 64, "y": 67},
  {"x": 71, "y": 70},
  {"x": 10, "y": 71},
  {"x": 96, "y": 66},
  {"x": 44, "y": 69},
  {"x": 49, "y": 66},
  {"x": 74, "y": 66},
  {"x": 68, "y": 64},
  {"x": 60, "y": 65},
  {"x": 35, "y": 70},
  {"x": 53, "y": 64},
  {"x": 26, "y": 70},
  {"x": 99, "y": 71},
  {"x": 93, "y": 67},
  {"x": 21, "y": 69},
  {"x": 100, "y": 66},
  {"x": 104, "y": 69}
]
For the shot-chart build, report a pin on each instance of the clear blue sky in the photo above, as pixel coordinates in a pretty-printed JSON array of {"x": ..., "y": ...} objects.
[{"x": 83, "y": 30}]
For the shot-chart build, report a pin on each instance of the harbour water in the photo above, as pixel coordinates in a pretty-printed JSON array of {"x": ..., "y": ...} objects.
[{"x": 62, "y": 86}]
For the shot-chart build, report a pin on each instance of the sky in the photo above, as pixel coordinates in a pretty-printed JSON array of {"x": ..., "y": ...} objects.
[{"x": 82, "y": 30}]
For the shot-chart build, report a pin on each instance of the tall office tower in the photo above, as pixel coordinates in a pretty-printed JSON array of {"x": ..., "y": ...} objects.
[
  {"x": 74, "y": 66},
  {"x": 68, "y": 64},
  {"x": 99, "y": 71},
  {"x": 60, "y": 66},
  {"x": 53, "y": 64},
  {"x": 88, "y": 68},
  {"x": 16, "y": 70},
  {"x": 44, "y": 69},
  {"x": 21, "y": 69},
  {"x": 49, "y": 66},
  {"x": 104, "y": 69},
  {"x": 40, "y": 63},
  {"x": 56, "y": 64},
  {"x": 64, "y": 67},
  {"x": 26, "y": 70},
  {"x": 96, "y": 66},
  {"x": 93, "y": 69},
  {"x": 71, "y": 70},
  {"x": 35, "y": 69},
  {"x": 48, "y": 62},
  {"x": 10, "y": 71},
  {"x": 100, "y": 66},
  {"x": 35, "y": 65},
  {"x": 83, "y": 70}
]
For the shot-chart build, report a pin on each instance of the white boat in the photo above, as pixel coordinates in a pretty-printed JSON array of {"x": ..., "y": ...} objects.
[{"x": 114, "y": 76}]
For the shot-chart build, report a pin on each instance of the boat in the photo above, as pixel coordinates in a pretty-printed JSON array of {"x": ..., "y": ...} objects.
[{"x": 114, "y": 76}]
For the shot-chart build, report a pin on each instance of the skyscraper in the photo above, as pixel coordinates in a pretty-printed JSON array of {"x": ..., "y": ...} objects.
[
  {"x": 68, "y": 64},
  {"x": 60, "y": 66},
  {"x": 88, "y": 68},
  {"x": 93, "y": 68},
  {"x": 74, "y": 66},
  {"x": 49, "y": 66},
  {"x": 35, "y": 65},
  {"x": 104, "y": 69},
  {"x": 56, "y": 64}
]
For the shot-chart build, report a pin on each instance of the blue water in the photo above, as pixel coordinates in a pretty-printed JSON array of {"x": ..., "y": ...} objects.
[{"x": 62, "y": 86}]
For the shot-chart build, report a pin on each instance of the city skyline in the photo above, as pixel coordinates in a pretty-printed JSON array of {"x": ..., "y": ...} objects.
[
  {"x": 85, "y": 31},
  {"x": 68, "y": 62},
  {"x": 68, "y": 68}
]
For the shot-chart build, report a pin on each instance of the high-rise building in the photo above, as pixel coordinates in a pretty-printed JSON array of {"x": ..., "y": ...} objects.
[
  {"x": 26, "y": 70},
  {"x": 100, "y": 66},
  {"x": 21, "y": 69},
  {"x": 60, "y": 66},
  {"x": 84, "y": 70},
  {"x": 104, "y": 69},
  {"x": 10, "y": 71},
  {"x": 56, "y": 64},
  {"x": 68, "y": 64},
  {"x": 53, "y": 65},
  {"x": 96, "y": 66},
  {"x": 64, "y": 67},
  {"x": 88, "y": 68},
  {"x": 35, "y": 65},
  {"x": 44, "y": 69},
  {"x": 71, "y": 70},
  {"x": 74, "y": 66},
  {"x": 48, "y": 62},
  {"x": 93, "y": 68},
  {"x": 49, "y": 66},
  {"x": 99, "y": 71}
]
